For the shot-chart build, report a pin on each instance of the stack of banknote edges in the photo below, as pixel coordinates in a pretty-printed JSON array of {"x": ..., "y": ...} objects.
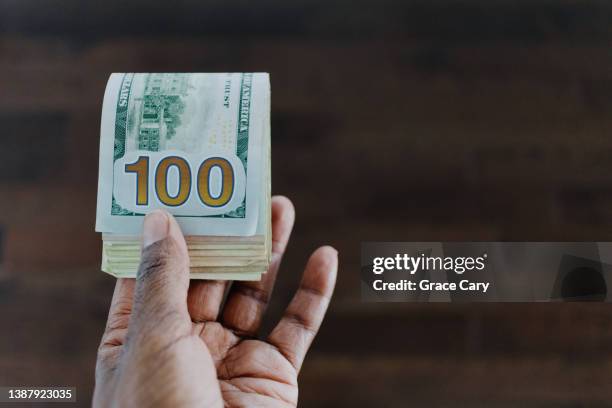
[{"x": 201, "y": 144}]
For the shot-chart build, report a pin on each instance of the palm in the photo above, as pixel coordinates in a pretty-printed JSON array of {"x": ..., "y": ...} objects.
[
  {"x": 254, "y": 384},
  {"x": 250, "y": 372}
]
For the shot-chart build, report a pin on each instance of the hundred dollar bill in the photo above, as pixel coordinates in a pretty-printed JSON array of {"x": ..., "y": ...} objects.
[
  {"x": 188, "y": 116},
  {"x": 196, "y": 145}
]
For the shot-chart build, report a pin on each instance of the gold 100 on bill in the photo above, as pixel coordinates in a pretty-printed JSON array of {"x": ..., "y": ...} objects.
[{"x": 198, "y": 146}]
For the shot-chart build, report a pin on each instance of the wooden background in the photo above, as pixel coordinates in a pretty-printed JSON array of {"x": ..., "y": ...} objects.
[{"x": 429, "y": 120}]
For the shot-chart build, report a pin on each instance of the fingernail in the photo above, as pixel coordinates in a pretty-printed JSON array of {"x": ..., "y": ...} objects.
[{"x": 155, "y": 228}]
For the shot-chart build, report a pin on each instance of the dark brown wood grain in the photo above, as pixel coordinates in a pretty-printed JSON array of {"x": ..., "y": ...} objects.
[{"x": 407, "y": 121}]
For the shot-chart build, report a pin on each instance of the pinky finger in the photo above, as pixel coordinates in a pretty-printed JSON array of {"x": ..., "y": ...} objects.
[{"x": 302, "y": 319}]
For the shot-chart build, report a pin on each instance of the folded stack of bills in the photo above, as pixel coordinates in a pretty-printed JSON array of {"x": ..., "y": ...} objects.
[{"x": 198, "y": 146}]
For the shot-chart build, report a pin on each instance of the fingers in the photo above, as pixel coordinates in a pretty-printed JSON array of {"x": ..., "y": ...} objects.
[
  {"x": 247, "y": 301},
  {"x": 116, "y": 329},
  {"x": 117, "y": 323},
  {"x": 204, "y": 299},
  {"x": 302, "y": 319},
  {"x": 120, "y": 308},
  {"x": 160, "y": 295}
]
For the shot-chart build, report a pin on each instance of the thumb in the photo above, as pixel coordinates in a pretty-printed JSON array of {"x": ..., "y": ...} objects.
[{"x": 160, "y": 297}]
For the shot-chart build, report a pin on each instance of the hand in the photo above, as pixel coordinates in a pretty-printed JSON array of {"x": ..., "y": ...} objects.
[{"x": 168, "y": 343}]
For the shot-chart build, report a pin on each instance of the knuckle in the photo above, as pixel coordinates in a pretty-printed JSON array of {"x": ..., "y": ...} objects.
[
  {"x": 159, "y": 257},
  {"x": 259, "y": 295},
  {"x": 159, "y": 317},
  {"x": 153, "y": 261},
  {"x": 170, "y": 321},
  {"x": 156, "y": 334}
]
